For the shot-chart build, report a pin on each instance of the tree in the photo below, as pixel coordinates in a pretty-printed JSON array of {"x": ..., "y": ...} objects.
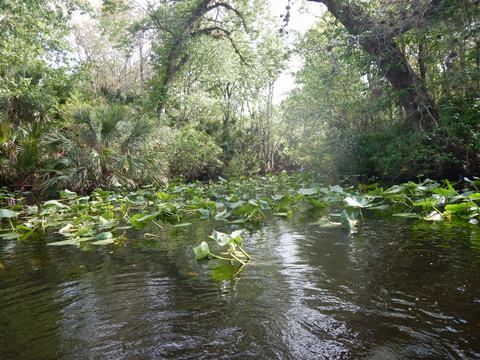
[
  {"x": 35, "y": 79},
  {"x": 176, "y": 24},
  {"x": 378, "y": 40},
  {"x": 113, "y": 57}
]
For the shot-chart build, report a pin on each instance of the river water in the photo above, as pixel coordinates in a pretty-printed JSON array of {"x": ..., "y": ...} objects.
[{"x": 394, "y": 290}]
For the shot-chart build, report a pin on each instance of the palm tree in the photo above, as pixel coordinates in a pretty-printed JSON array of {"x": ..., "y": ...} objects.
[{"x": 102, "y": 148}]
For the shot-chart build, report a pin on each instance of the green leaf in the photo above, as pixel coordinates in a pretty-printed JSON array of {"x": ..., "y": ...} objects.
[
  {"x": 239, "y": 221},
  {"x": 395, "y": 189},
  {"x": 84, "y": 230},
  {"x": 222, "y": 239},
  {"x": 66, "y": 229},
  {"x": 349, "y": 219},
  {"x": 10, "y": 236},
  {"x": 67, "y": 194},
  {"x": 407, "y": 215},
  {"x": 141, "y": 220},
  {"x": 55, "y": 203},
  {"x": 6, "y": 213},
  {"x": 434, "y": 216},
  {"x": 73, "y": 241},
  {"x": 307, "y": 191},
  {"x": 107, "y": 235},
  {"x": 337, "y": 189},
  {"x": 223, "y": 215},
  {"x": 450, "y": 187},
  {"x": 201, "y": 251},
  {"x": 236, "y": 233},
  {"x": 103, "y": 242},
  {"x": 204, "y": 212},
  {"x": 357, "y": 201},
  {"x": 319, "y": 204},
  {"x": 426, "y": 203},
  {"x": 444, "y": 192},
  {"x": 25, "y": 228},
  {"x": 164, "y": 196},
  {"x": 460, "y": 208},
  {"x": 181, "y": 225},
  {"x": 378, "y": 207},
  {"x": 474, "y": 196}
]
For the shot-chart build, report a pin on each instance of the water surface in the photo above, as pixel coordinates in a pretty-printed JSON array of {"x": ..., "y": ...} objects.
[{"x": 394, "y": 290}]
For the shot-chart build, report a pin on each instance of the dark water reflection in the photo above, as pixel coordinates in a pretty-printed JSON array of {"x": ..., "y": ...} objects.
[{"x": 392, "y": 291}]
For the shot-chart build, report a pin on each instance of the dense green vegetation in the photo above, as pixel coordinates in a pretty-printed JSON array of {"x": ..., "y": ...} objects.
[
  {"x": 116, "y": 95},
  {"x": 365, "y": 127},
  {"x": 118, "y": 110},
  {"x": 103, "y": 217},
  {"x": 103, "y": 105}
]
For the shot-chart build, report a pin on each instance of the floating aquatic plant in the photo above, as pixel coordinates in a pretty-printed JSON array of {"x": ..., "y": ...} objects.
[
  {"x": 242, "y": 201},
  {"x": 233, "y": 244}
]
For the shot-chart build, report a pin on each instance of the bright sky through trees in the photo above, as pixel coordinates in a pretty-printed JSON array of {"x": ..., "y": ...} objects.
[{"x": 302, "y": 17}]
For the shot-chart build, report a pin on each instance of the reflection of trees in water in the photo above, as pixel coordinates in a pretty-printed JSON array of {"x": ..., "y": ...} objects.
[
  {"x": 122, "y": 307},
  {"x": 28, "y": 314},
  {"x": 402, "y": 275},
  {"x": 311, "y": 329},
  {"x": 309, "y": 292}
]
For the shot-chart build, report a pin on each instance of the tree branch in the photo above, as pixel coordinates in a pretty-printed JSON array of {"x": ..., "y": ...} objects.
[
  {"x": 219, "y": 32},
  {"x": 230, "y": 8}
]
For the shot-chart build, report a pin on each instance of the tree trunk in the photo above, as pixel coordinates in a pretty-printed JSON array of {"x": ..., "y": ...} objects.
[
  {"x": 422, "y": 67},
  {"x": 414, "y": 98}
]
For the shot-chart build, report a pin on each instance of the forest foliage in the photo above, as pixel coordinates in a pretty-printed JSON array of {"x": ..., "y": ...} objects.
[{"x": 110, "y": 94}]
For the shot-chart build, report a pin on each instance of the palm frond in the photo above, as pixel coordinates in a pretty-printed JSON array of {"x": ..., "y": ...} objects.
[
  {"x": 139, "y": 132},
  {"x": 109, "y": 117}
]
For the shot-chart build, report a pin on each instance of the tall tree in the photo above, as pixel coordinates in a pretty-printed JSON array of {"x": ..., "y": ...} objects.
[
  {"x": 377, "y": 38},
  {"x": 176, "y": 24}
]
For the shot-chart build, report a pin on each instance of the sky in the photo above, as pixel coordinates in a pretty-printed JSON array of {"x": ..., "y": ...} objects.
[{"x": 302, "y": 16}]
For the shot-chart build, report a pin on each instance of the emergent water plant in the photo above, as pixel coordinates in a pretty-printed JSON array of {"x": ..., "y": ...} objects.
[
  {"x": 233, "y": 244},
  {"x": 102, "y": 217}
]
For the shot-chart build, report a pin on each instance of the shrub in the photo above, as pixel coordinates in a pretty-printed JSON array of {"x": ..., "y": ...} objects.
[
  {"x": 103, "y": 147},
  {"x": 195, "y": 155}
]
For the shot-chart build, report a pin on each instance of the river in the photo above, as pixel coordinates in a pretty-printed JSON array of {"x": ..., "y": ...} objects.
[{"x": 394, "y": 290}]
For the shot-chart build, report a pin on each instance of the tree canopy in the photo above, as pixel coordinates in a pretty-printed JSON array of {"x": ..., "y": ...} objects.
[{"x": 385, "y": 89}]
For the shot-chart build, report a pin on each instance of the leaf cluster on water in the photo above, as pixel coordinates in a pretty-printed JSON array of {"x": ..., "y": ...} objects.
[
  {"x": 100, "y": 218},
  {"x": 233, "y": 243}
]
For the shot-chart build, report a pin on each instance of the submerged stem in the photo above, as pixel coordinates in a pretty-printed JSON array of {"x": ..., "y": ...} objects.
[
  {"x": 160, "y": 226},
  {"x": 244, "y": 252},
  {"x": 219, "y": 257},
  {"x": 236, "y": 258}
]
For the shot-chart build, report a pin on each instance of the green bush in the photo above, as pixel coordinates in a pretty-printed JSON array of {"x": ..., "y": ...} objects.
[
  {"x": 195, "y": 155},
  {"x": 102, "y": 147}
]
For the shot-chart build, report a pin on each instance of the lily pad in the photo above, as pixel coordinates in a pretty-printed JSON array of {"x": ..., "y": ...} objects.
[
  {"x": 201, "y": 251},
  {"x": 307, "y": 191},
  {"x": 6, "y": 213},
  {"x": 357, "y": 202},
  {"x": 221, "y": 238},
  {"x": 107, "y": 235}
]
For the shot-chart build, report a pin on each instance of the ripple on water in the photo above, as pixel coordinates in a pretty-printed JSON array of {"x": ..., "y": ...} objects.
[{"x": 308, "y": 294}]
